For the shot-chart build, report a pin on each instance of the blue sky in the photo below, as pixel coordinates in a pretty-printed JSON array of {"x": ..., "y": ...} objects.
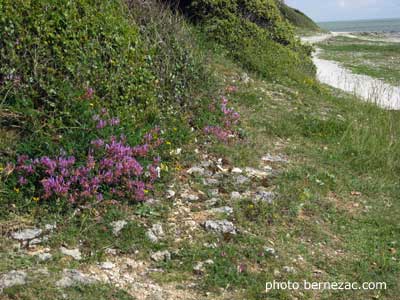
[{"x": 332, "y": 10}]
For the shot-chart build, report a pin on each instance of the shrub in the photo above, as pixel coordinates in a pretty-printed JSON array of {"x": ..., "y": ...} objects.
[
  {"x": 256, "y": 34},
  {"x": 177, "y": 61},
  {"x": 50, "y": 49},
  {"x": 108, "y": 167},
  {"x": 139, "y": 58},
  {"x": 297, "y": 18},
  {"x": 263, "y": 13}
]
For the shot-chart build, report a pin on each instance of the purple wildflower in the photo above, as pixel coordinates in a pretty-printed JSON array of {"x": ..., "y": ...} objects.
[
  {"x": 101, "y": 124},
  {"x": 113, "y": 122},
  {"x": 22, "y": 180},
  {"x": 97, "y": 143},
  {"x": 89, "y": 93}
]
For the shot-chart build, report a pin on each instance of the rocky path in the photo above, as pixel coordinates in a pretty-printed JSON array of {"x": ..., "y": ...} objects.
[{"x": 201, "y": 203}]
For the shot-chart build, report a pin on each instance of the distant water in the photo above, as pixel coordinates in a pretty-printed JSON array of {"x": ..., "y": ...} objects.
[{"x": 384, "y": 25}]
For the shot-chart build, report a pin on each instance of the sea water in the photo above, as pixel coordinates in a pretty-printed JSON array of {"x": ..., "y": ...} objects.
[{"x": 383, "y": 25}]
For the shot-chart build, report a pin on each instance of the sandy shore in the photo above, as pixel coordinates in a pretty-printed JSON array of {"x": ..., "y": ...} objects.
[
  {"x": 373, "y": 37},
  {"x": 363, "y": 86}
]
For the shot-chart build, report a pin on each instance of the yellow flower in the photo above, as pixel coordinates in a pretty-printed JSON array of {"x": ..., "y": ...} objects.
[
  {"x": 146, "y": 191},
  {"x": 251, "y": 206},
  {"x": 168, "y": 142},
  {"x": 164, "y": 167},
  {"x": 91, "y": 104},
  {"x": 36, "y": 199},
  {"x": 174, "y": 129},
  {"x": 16, "y": 190}
]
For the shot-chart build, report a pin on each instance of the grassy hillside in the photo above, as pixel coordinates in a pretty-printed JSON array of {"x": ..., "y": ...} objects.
[
  {"x": 298, "y": 18},
  {"x": 146, "y": 154},
  {"x": 255, "y": 33}
]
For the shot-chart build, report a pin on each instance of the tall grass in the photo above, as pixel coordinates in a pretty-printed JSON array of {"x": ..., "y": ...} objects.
[
  {"x": 177, "y": 60},
  {"x": 371, "y": 142}
]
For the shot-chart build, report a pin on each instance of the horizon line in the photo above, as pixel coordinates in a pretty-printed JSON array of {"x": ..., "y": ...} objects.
[{"x": 371, "y": 19}]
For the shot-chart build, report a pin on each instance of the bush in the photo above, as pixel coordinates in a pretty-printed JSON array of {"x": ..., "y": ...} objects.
[
  {"x": 107, "y": 166},
  {"x": 51, "y": 49},
  {"x": 255, "y": 34},
  {"x": 177, "y": 61},
  {"x": 62, "y": 61},
  {"x": 249, "y": 44},
  {"x": 263, "y": 13},
  {"x": 298, "y": 18}
]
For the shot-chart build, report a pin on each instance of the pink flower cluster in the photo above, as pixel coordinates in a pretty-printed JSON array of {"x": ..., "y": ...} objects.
[
  {"x": 102, "y": 123},
  {"x": 229, "y": 119},
  {"x": 111, "y": 168}
]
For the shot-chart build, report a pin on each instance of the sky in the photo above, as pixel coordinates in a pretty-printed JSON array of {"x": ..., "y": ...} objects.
[{"x": 335, "y": 10}]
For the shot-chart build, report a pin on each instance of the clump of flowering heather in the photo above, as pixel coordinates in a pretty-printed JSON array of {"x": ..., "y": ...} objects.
[
  {"x": 228, "y": 121},
  {"x": 112, "y": 168}
]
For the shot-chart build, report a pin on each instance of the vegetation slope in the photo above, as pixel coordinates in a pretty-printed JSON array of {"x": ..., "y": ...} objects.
[{"x": 107, "y": 105}]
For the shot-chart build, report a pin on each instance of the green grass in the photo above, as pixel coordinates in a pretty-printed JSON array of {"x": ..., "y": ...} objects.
[
  {"x": 337, "y": 207},
  {"x": 41, "y": 290},
  {"x": 335, "y": 151},
  {"x": 298, "y": 18},
  {"x": 373, "y": 58}
]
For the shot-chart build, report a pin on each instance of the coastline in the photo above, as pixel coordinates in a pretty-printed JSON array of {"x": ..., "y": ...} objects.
[{"x": 333, "y": 73}]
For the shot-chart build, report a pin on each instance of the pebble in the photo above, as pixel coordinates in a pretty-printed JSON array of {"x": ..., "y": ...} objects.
[
  {"x": 206, "y": 163},
  {"x": 107, "y": 265},
  {"x": 196, "y": 170},
  {"x": 26, "y": 234},
  {"x": 189, "y": 197},
  {"x": 256, "y": 173},
  {"x": 170, "y": 194},
  {"x": 274, "y": 158},
  {"x": 117, "y": 226},
  {"x": 200, "y": 267},
  {"x": 235, "y": 195},
  {"x": 74, "y": 253},
  {"x": 50, "y": 227},
  {"x": 12, "y": 278},
  {"x": 210, "y": 181},
  {"x": 220, "y": 226},
  {"x": 223, "y": 210},
  {"x": 44, "y": 256},
  {"x": 242, "y": 180},
  {"x": 155, "y": 233},
  {"x": 265, "y": 196},
  {"x": 35, "y": 241},
  {"x": 158, "y": 230},
  {"x": 73, "y": 277},
  {"x": 210, "y": 245},
  {"x": 211, "y": 202},
  {"x": 213, "y": 192},
  {"x": 151, "y": 236},
  {"x": 288, "y": 269},
  {"x": 111, "y": 251},
  {"x": 237, "y": 171},
  {"x": 245, "y": 78},
  {"x": 270, "y": 251},
  {"x": 161, "y": 256}
]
